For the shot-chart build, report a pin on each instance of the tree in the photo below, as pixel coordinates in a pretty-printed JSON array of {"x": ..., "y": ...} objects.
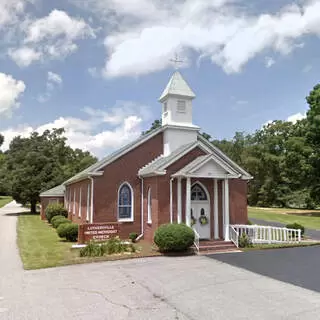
[
  {"x": 40, "y": 162},
  {"x": 155, "y": 125}
]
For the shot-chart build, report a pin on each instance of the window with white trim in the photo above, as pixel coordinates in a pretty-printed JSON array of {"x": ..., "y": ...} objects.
[
  {"x": 125, "y": 202},
  {"x": 165, "y": 107},
  {"x": 181, "y": 106},
  {"x": 88, "y": 202},
  {"x": 149, "y": 206},
  {"x": 74, "y": 201},
  {"x": 51, "y": 201},
  {"x": 69, "y": 200},
  {"x": 80, "y": 204}
]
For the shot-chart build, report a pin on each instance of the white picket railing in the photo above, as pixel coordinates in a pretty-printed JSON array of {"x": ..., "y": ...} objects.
[
  {"x": 234, "y": 236},
  {"x": 267, "y": 234},
  {"x": 196, "y": 240}
]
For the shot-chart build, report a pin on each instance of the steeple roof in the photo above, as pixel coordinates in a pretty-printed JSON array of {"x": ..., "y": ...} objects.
[{"x": 177, "y": 86}]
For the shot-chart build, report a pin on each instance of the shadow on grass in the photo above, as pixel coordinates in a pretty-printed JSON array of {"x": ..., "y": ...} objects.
[{"x": 17, "y": 214}]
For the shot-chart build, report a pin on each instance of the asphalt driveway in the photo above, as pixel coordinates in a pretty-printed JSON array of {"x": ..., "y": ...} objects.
[
  {"x": 166, "y": 288},
  {"x": 298, "y": 266}
]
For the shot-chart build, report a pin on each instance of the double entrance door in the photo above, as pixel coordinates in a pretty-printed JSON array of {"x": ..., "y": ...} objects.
[{"x": 200, "y": 211}]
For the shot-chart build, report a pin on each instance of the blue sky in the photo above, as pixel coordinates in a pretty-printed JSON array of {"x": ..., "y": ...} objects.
[{"x": 97, "y": 67}]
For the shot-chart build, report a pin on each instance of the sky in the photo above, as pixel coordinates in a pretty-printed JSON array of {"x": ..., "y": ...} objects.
[{"x": 98, "y": 67}]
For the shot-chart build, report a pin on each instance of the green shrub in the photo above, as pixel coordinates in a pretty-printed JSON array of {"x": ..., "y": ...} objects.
[
  {"x": 93, "y": 249},
  {"x": 62, "y": 229},
  {"x": 68, "y": 231},
  {"x": 71, "y": 231},
  {"x": 57, "y": 220},
  {"x": 174, "y": 237},
  {"x": 55, "y": 209},
  {"x": 133, "y": 236},
  {"x": 296, "y": 226},
  {"x": 249, "y": 223},
  {"x": 60, "y": 222},
  {"x": 112, "y": 246},
  {"x": 245, "y": 241}
]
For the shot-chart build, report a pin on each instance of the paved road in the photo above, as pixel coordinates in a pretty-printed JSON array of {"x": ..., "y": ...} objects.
[
  {"x": 165, "y": 288},
  {"x": 313, "y": 234}
]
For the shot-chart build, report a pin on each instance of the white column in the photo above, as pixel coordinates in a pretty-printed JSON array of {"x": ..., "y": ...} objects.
[
  {"x": 179, "y": 201},
  {"x": 188, "y": 202},
  {"x": 226, "y": 210},
  {"x": 215, "y": 210}
]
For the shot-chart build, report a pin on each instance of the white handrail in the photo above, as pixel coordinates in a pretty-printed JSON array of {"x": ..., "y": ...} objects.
[
  {"x": 234, "y": 236},
  {"x": 268, "y": 234},
  {"x": 196, "y": 240}
]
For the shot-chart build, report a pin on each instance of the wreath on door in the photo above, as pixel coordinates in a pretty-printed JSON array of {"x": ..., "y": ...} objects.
[{"x": 203, "y": 219}]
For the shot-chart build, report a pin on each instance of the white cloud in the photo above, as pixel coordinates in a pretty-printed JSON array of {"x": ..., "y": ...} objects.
[
  {"x": 10, "y": 10},
  {"x": 51, "y": 37},
  {"x": 269, "y": 62},
  {"x": 296, "y": 117},
  {"x": 145, "y": 34},
  {"x": 54, "y": 77},
  {"x": 10, "y": 92},
  {"x": 24, "y": 56},
  {"x": 124, "y": 122},
  {"x": 54, "y": 80}
]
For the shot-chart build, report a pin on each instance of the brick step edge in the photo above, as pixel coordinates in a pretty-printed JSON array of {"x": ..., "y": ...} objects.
[{"x": 216, "y": 249}]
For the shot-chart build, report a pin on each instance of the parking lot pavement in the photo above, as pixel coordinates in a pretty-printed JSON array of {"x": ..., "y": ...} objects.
[{"x": 298, "y": 266}]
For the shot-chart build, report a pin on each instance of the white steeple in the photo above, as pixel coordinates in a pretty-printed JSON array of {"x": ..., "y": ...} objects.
[{"x": 176, "y": 102}]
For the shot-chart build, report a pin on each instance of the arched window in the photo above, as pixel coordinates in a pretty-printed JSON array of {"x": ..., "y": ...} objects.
[
  {"x": 149, "y": 206},
  {"x": 198, "y": 193},
  {"x": 125, "y": 203}
]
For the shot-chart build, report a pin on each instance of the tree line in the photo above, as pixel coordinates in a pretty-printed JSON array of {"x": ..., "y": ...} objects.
[{"x": 283, "y": 158}]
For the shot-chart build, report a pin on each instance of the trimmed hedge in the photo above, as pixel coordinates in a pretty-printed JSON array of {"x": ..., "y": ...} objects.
[
  {"x": 68, "y": 231},
  {"x": 55, "y": 209},
  {"x": 174, "y": 237},
  {"x": 60, "y": 222},
  {"x": 55, "y": 221}
]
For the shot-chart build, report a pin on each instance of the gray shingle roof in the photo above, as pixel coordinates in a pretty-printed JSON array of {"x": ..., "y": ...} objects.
[
  {"x": 57, "y": 191},
  {"x": 177, "y": 86},
  {"x": 160, "y": 162}
]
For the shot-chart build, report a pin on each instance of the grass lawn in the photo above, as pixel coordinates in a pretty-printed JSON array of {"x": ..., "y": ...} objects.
[
  {"x": 4, "y": 200},
  {"x": 279, "y": 215},
  {"x": 40, "y": 246}
]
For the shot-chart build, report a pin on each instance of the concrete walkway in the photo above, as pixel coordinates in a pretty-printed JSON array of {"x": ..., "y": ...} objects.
[{"x": 169, "y": 288}]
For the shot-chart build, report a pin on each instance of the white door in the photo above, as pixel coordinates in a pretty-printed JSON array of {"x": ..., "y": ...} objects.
[{"x": 200, "y": 211}]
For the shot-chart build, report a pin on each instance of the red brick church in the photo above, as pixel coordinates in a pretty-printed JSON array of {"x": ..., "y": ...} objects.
[{"x": 172, "y": 174}]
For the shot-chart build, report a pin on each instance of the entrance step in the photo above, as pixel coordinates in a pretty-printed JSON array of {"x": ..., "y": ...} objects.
[{"x": 216, "y": 246}]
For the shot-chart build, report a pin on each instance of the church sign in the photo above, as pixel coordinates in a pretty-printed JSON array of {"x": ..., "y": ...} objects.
[{"x": 97, "y": 232}]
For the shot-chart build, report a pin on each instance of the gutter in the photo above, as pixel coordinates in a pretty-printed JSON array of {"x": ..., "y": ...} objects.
[
  {"x": 91, "y": 205},
  {"x": 142, "y": 210},
  {"x": 171, "y": 209}
]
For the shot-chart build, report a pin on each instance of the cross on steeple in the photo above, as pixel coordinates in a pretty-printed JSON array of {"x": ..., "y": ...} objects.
[{"x": 176, "y": 61}]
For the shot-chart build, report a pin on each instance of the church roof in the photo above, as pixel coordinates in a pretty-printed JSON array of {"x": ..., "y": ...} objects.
[
  {"x": 57, "y": 191},
  {"x": 161, "y": 162},
  {"x": 93, "y": 170},
  {"x": 177, "y": 85}
]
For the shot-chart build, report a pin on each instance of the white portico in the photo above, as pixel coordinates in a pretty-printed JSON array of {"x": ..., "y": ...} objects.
[{"x": 198, "y": 207}]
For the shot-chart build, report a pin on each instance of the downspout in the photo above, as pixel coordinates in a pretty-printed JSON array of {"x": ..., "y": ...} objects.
[
  {"x": 171, "y": 209},
  {"x": 142, "y": 210},
  {"x": 91, "y": 209}
]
